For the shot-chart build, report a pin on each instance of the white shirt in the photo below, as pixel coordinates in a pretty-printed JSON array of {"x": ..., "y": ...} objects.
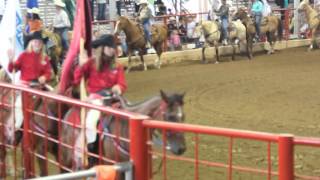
[
  {"x": 2, "y": 7},
  {"x": 190, "y": 29},
  {"x": 61, "y": 19}
]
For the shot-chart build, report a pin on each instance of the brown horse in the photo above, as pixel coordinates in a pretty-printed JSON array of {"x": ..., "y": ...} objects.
[
  {"x": 250, "y": 28},
  {"x": 136, "y": 41},
  {"x": 313, "y": 21},
  {"x": 163, "y": 108}
]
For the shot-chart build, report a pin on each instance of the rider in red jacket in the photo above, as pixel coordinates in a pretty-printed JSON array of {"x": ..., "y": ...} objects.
[
  {"x": 101, "y": 72},
  {"x": 33, "y": 63},
  {"x": 103, "y": 78}
]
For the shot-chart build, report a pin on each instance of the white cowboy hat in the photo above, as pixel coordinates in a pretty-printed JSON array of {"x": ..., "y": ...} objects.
[
  {"x": 34, "y": 11},
  {"x": 172, "y": 18},
  {"x": 59, "y": 3},
  {"x": 143, "y": 2}
]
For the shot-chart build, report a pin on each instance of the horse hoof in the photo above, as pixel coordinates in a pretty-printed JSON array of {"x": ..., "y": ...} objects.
[{"x": 217, "y": 62}]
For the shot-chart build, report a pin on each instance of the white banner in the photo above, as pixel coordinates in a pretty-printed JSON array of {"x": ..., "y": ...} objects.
[{"x": 11, "y": 36}]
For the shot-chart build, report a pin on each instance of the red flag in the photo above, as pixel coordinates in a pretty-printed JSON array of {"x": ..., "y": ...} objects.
[{"x": 81, "y": 30}]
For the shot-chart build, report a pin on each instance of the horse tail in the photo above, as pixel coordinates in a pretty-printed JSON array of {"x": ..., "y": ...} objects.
[{"x": 280, "y": 29}]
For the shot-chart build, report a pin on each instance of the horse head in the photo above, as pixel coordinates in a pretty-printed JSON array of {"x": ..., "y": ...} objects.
[
  {"x": 173, "y": 112},
  {"x": 240, "y": 14},
  {"x": 121, "y": 23},
  {"x": 303, "y": 5}
]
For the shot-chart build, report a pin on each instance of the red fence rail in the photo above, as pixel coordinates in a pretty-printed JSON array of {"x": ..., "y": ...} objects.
[{"x": 142, "y": 148}]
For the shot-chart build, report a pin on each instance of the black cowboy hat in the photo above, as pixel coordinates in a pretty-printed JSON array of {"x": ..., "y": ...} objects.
[
  {"x": 35, "y": 35},
  {"x": 104, "y": 40}
]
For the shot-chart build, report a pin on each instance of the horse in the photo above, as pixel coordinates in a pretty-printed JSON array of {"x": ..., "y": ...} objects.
[
  {"x": 136, "y": 41},
  {"x": 163, "y": 108},
  {"x": 250, "y": 29},
  {"x": 237, "y": 36},
  {"x": 313, "y": 21},
  {"x": 5, "y": 99},
  {"x": 272, "y": 27},
  {"x": 211, "y": 32},
  {"x": 54, "y": 49}
]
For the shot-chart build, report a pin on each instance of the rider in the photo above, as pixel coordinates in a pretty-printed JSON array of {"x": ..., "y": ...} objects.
[
  {"x": 104, "y": 77},
  {"x": 34, "y": 66},
  {"x": 61, "y": 23},
  {"x": 144, "y": 16},
  {"x": 35, "y": 23},
  {"x": 256, "y": 11},
  {"x": 224, "y": 16}
]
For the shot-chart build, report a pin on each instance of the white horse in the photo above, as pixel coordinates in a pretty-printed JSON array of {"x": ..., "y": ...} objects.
[
  {"x": 237, "y": 36},
  {"x": 313, "y": 20},
  {"x": 210, "y": 30}
]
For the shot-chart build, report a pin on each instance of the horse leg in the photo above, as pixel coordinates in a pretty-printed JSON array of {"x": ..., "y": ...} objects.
[
  {"x": 274, "y": 39},
  {"x": 217, "y": 52},
  {"x": 269, "y": 38},
  {"x": 2, "y": 156},
  {"x": 129, "y": 61},
  {"x": 313, "y": 39},
  {"x": 233, "y": 51},
  {"x": 40, "y": 148},
  {"x": 203, "y": 54},
  {"x": 249, "y": 46},
  {"x": 141, "y": 52},
  {"x": 157, "y": 62}
]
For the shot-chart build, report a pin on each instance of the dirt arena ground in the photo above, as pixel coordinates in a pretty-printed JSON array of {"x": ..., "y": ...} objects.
[{"x": 277, "y": 93}]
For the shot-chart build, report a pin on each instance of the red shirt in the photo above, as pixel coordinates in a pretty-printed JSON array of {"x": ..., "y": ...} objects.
[
  {"x": 31, "y": 66},
  {"x": 97, "y": 81}
]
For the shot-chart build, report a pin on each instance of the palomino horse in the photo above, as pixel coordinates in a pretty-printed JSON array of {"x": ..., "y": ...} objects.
[
  {"x": 313, "y": 21},
  {"x": 136, "y": 41},
  {"x": 272, "y": 27},
  {"x": 237, "y": 36},
  {"x": 54, "y": 49},
  {"x": 163, "y": 108},
  {"x": 250, "y": 29},
  {"x": 211, "y": 32}
]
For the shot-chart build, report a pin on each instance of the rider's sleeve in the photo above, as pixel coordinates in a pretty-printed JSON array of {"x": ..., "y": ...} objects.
[
  {"x": 47, "y": 70},
  {"x": 80, "y": 72},
  {"x": 121, "y": 80},
  {"x": 17, "y": 64}
]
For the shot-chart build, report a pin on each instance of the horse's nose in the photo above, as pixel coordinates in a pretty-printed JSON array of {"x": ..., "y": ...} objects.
[{"x": 181, "y": 151}]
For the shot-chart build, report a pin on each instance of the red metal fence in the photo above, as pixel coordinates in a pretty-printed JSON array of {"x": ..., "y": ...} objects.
[{"x": 211, "y": 152}]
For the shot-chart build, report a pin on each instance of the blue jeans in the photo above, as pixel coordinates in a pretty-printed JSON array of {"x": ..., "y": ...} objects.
[
  {"x": 146, "y": 29},
  {"x": 101, "y": 11},
  {"x": 224, "y": 24},
  {"x": 63, "y": 32},
  {"x": 257, "y": 19}
]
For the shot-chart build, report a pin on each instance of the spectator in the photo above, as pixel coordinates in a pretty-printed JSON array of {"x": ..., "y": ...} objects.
[
  {"x": 61, "y": 23},
  {"x": 35, "y": 23},
  {"x": 101, "y": 9},
  {"x": 266, "y": 8},
  {"x": 118, "y": 5},
  {"x": 172, "y": 25},
  {"x": 174, "y": 41},
  {"x": 182, "y": 29},
  {"x": 224, "y": 16},
  {"x": 144, "y": 16},
  {"x": 191, "y": 25},
  {"x": 92, "y": 9},
  {"x": 256, "y": 12},
  {"x": 216, "y": 4},
  {"x": 2, "y": 7}
]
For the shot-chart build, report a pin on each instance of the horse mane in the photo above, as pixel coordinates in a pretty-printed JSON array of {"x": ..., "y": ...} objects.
[{"x": 134, "y": 107}]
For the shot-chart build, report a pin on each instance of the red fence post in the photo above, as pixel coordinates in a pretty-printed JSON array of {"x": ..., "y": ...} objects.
[
  {"x": 27, "y": 139},
  {"x": 286, "y": 159},
  {"x": 139, "y": 149}
]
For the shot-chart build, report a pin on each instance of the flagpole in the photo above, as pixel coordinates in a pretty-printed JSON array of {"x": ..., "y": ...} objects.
[{"x": 83, "y": 97}]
